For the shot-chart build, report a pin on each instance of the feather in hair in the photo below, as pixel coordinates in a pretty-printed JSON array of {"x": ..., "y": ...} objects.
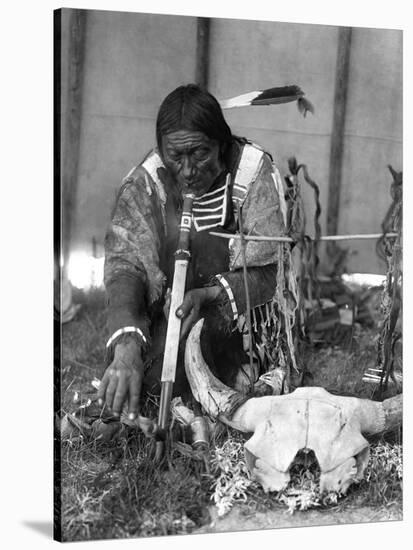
[{"x": 270, "y": 96}]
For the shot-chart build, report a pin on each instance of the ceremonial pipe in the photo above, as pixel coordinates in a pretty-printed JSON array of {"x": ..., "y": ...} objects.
[
  {"x": 170, "y": 357},
  {"x": 362, "y": 236}
]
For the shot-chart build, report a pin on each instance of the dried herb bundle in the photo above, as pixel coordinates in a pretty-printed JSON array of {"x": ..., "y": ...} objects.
[{"x": 391, "y": 251}]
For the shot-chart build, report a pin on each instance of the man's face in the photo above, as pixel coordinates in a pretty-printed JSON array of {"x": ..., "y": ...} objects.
[{"x": 193, "y": 160}]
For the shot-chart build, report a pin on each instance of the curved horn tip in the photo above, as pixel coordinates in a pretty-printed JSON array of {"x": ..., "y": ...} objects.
[
  {"x": 216, "y": 398},
  {"x": 195, "y": 331},
  {"x": 393, "y": 412}
]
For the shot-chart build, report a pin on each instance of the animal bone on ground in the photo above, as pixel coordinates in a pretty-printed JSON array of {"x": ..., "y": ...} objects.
[{"x": 309, "y": 418}]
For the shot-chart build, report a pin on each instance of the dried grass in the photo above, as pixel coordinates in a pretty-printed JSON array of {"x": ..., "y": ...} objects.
[{"x": 114, "y": 490}]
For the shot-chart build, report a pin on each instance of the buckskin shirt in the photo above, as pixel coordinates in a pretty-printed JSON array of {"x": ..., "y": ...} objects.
[{"x": 142, "y": 239}]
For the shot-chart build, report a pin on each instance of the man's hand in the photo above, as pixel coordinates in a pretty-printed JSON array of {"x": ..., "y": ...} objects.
[
  {"x": 122, "y": 380},
  {"x": 189, "y": 310}
]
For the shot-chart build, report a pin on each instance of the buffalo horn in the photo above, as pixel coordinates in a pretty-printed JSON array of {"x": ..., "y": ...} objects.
[
  {"x": 377, "y": 417},
  {"x": 218, "y": 400},
  {"x": 242, "y": 412}
]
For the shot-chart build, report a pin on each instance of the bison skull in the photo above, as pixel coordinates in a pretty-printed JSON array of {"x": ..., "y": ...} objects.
[{"x": 307, "y": 419}]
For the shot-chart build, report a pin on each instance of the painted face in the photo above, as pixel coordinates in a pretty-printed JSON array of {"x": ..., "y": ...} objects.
[{"x": 193, "y": 160}]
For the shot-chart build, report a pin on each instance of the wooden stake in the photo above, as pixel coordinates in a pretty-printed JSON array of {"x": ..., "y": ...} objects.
[
  {"x": 362, "y": 236},
  {"x": 70, "y": 154},
  {"x": 242, "y": 237},
  {"x": 202, "y": 52},
  {"x": 337, "y": 134}
]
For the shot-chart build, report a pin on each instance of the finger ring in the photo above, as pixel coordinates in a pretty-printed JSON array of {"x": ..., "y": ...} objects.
[{"x": 112, "y": 372}]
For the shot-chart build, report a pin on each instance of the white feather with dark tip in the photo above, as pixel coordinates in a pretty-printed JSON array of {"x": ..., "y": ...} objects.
[
  {"x": 240, "y": 100},
  {"x": 270, "y": 96}
]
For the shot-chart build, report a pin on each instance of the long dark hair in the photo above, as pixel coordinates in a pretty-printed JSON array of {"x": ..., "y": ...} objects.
[{"x": 190, "y": 107}]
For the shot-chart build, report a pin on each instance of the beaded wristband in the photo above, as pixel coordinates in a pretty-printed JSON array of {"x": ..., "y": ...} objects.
[
  {"x": 124, "y": 330},
  {"x": 228, "y": 290}
]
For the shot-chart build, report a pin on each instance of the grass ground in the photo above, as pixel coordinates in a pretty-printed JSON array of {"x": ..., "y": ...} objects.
[{"x": 113, "y": 490}]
